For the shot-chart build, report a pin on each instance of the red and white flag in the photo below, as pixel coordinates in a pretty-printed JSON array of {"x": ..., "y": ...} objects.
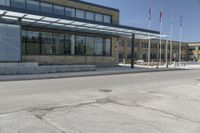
[
  {"x": 161, "y": 16},
  {"x": 181, "y": 21},
  {"x": 149, "y": 12}
]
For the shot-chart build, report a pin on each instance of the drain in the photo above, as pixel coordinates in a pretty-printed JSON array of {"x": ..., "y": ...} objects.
[{"x": 105, "y": 90}]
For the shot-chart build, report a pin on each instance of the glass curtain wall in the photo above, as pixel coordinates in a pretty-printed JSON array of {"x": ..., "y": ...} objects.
[
  {"x": 18, "y": 3},
  {"x": 5, "y": 2},
  {"x": 80, "y": 45},
  {"x": 46, "y": 43},
  {"x": 58, "y": 44},
  {"x": 50, "y": 43},
  {"x": 90, "y": 46},
  {"x": 50, "y": 8},
  {"x": 98, "y": 46},
  {"x": 33, "y": 41}
]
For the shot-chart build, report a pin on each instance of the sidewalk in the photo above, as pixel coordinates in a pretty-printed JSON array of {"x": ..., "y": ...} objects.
[{"x": 98, "y": 72}]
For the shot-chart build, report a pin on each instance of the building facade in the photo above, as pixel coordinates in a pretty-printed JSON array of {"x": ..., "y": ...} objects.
[
  {"x": 194, "y": 51},
  {"x": 60, "y": 32},
  {"x": 141, "y": 50}
]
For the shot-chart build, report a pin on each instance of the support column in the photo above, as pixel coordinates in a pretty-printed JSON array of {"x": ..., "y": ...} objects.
[{"x": 132, "y": 51}]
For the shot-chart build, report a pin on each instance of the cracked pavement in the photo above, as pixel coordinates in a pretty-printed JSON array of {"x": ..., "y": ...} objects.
[{"x": 161, "y": 102}]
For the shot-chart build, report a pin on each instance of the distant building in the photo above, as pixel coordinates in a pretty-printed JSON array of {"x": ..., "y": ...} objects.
[
  {"x": 141, "y": 50},
  {"x": 194, "y": 51}
]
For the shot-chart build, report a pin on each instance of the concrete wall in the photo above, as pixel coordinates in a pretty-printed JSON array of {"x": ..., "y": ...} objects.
[{"x": 74, "y": 4}]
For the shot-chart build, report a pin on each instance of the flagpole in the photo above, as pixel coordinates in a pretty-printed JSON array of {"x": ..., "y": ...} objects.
[
  {"x": 160, "y": 37},
  {"x": 180, "y": 41},
  {"x": 171, "y": 37},
  {"x": 166, "y": 54},
  {"x": 149, "y": 46}
]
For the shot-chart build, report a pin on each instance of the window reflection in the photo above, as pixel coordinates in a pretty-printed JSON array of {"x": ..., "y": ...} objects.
[
  {"x": 89, "y": 15},
  {"x": 18, "y": 3},
  {"x": 58, "y": 10},
  {"x": 90, "y": 46},
  {"x": 5, "y": 2},
  {"x": 46, "y": 7},
  {"x": 98, "y": 17},
  {"x": 33, "y": 5},
  {"x": 47, "y": 43},
  {"x": 69, "y": 12},
  {"x": 58, "y": 44},
  {"x": 98, "y": 46},
  {"x": 80, "y": 14},
  {"x": 80, "y": 45},
  {"x": 33, "y": 42},
  {"x": 36, "y": 5}
]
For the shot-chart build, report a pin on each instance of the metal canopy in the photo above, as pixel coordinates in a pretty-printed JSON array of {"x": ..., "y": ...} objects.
[{"x": 30, "y": 18}]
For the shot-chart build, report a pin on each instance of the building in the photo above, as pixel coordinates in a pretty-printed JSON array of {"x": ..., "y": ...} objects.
[
  {"x": 194, "y": 51},
  {"x": 141, "y": 50},
  {"x": 61, "y": 32}
]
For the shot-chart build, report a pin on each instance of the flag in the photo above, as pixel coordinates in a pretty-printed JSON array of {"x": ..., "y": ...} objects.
[
  {"x": 181, "y": 21},
  {"x": 161, "y": 15},
  {"x": 149, "y": 11}
]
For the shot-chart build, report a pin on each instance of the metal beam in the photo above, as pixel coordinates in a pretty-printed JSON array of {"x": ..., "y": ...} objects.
[{"x": 132, "y": 51}]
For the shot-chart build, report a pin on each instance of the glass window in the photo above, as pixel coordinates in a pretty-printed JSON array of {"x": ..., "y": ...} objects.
[
  {"x": 47, "y": 43},
  {"x": 69, "y": 44},
  {"x": 33, "y": 42},
  {"x": 18, "y": 3},
  {"x": 33, "y": 5},
  {"x": 7, "y": 2},
  {"x": 80, "y": 14},
  {"x": 80, "y": 45},
  {"x": 89, "y": 15},
  {"x": 3, "y": 2},
  {"x": 58, "y": 45},
  {"x": 98, "y": 46},
  {"x": 98, "y": 17},
  {"x": 107, "y": 47},
  {"x": 24, "y": 37},
  {"x": 89, "y": 45},
  {"x": 58, "y": 10},
  {"x": 47, "y": 8},
  {"x": 69, "y": 12},
  {"x": 107, "y": 19}
]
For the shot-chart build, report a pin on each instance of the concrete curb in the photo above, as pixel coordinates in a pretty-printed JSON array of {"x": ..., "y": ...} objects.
[{"x": 77, "y": 74}]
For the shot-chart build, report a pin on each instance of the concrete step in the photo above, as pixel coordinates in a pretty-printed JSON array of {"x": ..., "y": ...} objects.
[
  {"x": 45, "y": 69},
  {"x": 18, "y": 64}
]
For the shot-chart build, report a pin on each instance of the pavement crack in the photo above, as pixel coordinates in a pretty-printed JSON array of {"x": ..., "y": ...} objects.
[{"x": 168, "y": 113}]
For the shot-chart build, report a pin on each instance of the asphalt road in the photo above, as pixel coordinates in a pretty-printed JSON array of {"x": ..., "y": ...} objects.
[{"x": 160, "y": 102}]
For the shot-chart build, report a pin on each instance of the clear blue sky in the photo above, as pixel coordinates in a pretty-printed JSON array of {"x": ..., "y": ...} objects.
[{"x": 135, "y": 13}]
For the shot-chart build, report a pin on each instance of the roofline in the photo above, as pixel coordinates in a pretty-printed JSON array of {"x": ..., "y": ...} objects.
[
  {"x": 76, "y": 19},
  {"x": 194, "y": 42},
  {"x": 92, "y": 4}
]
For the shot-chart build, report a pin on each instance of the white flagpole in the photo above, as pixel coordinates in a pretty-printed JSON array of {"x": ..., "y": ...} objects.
[
  {"x": 171, "y": 38},
  {"x": 149, "y": 46},
  {"x": 166, "y": 54},
  {"x": 180, "y": 40},
  {"x": 160, "y": 37}
]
